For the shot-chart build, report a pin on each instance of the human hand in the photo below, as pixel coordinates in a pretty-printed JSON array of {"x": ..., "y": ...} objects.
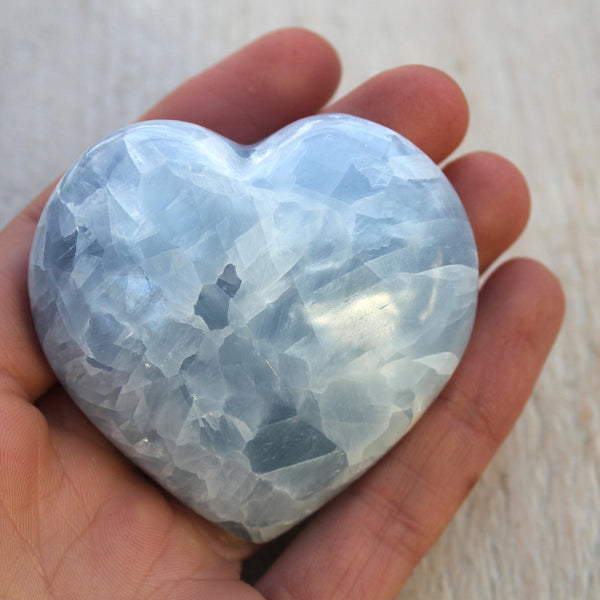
[{"x": 77, "y": 520}]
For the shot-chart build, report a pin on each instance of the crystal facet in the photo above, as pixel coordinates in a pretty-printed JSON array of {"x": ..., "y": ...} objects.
[{"x": 254, "y": 325}]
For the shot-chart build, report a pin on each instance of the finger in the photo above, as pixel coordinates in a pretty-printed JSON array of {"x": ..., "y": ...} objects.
[
  {"x": 365, "y": 544},
  {"x": 496, "y": 198},
  {"x": 423, "y": 104},
  {"x": 280, "y": 77}
]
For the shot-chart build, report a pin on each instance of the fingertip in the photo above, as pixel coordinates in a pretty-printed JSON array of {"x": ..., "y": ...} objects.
[
  {"x": 537, "y": 290},
  {"x": 304, "y": 66},
  {"x": 442, "y": 93},
  {"x": 496, "y": 197},
  {"x": 317, "y": 54},
  {"x": 422, "y": 103},
  {"x": 529, "y": 300}
]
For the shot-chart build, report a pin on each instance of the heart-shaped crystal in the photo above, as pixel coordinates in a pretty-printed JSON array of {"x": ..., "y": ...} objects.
[{"x": 254, "y": 325}]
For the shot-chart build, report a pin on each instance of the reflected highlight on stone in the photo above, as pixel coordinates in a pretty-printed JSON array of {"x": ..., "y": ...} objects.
[{"x": 254, "y": 326}]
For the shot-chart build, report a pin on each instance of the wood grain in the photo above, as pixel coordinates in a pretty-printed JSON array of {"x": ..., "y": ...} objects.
[{"x": 70, "y": 72}]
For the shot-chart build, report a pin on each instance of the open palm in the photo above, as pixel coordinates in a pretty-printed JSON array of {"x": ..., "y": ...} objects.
[{"x": 79, "y": 521}]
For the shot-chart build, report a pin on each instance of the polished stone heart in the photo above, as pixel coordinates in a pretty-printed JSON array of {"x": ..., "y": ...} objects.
[{"x": 254, "y": 325}]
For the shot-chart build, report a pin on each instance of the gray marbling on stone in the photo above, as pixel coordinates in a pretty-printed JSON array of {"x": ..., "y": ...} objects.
[{"x": 254, "y": 326}]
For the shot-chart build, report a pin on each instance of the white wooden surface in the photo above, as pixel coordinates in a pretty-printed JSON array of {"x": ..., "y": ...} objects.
[{"x": 72, "y": 71}]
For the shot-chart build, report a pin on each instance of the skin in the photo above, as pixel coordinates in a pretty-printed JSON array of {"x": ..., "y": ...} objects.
[{"x": 78, "y": 521}]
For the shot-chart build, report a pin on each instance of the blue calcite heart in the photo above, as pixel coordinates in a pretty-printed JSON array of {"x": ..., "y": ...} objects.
[{"x": 254, "y": 325}]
